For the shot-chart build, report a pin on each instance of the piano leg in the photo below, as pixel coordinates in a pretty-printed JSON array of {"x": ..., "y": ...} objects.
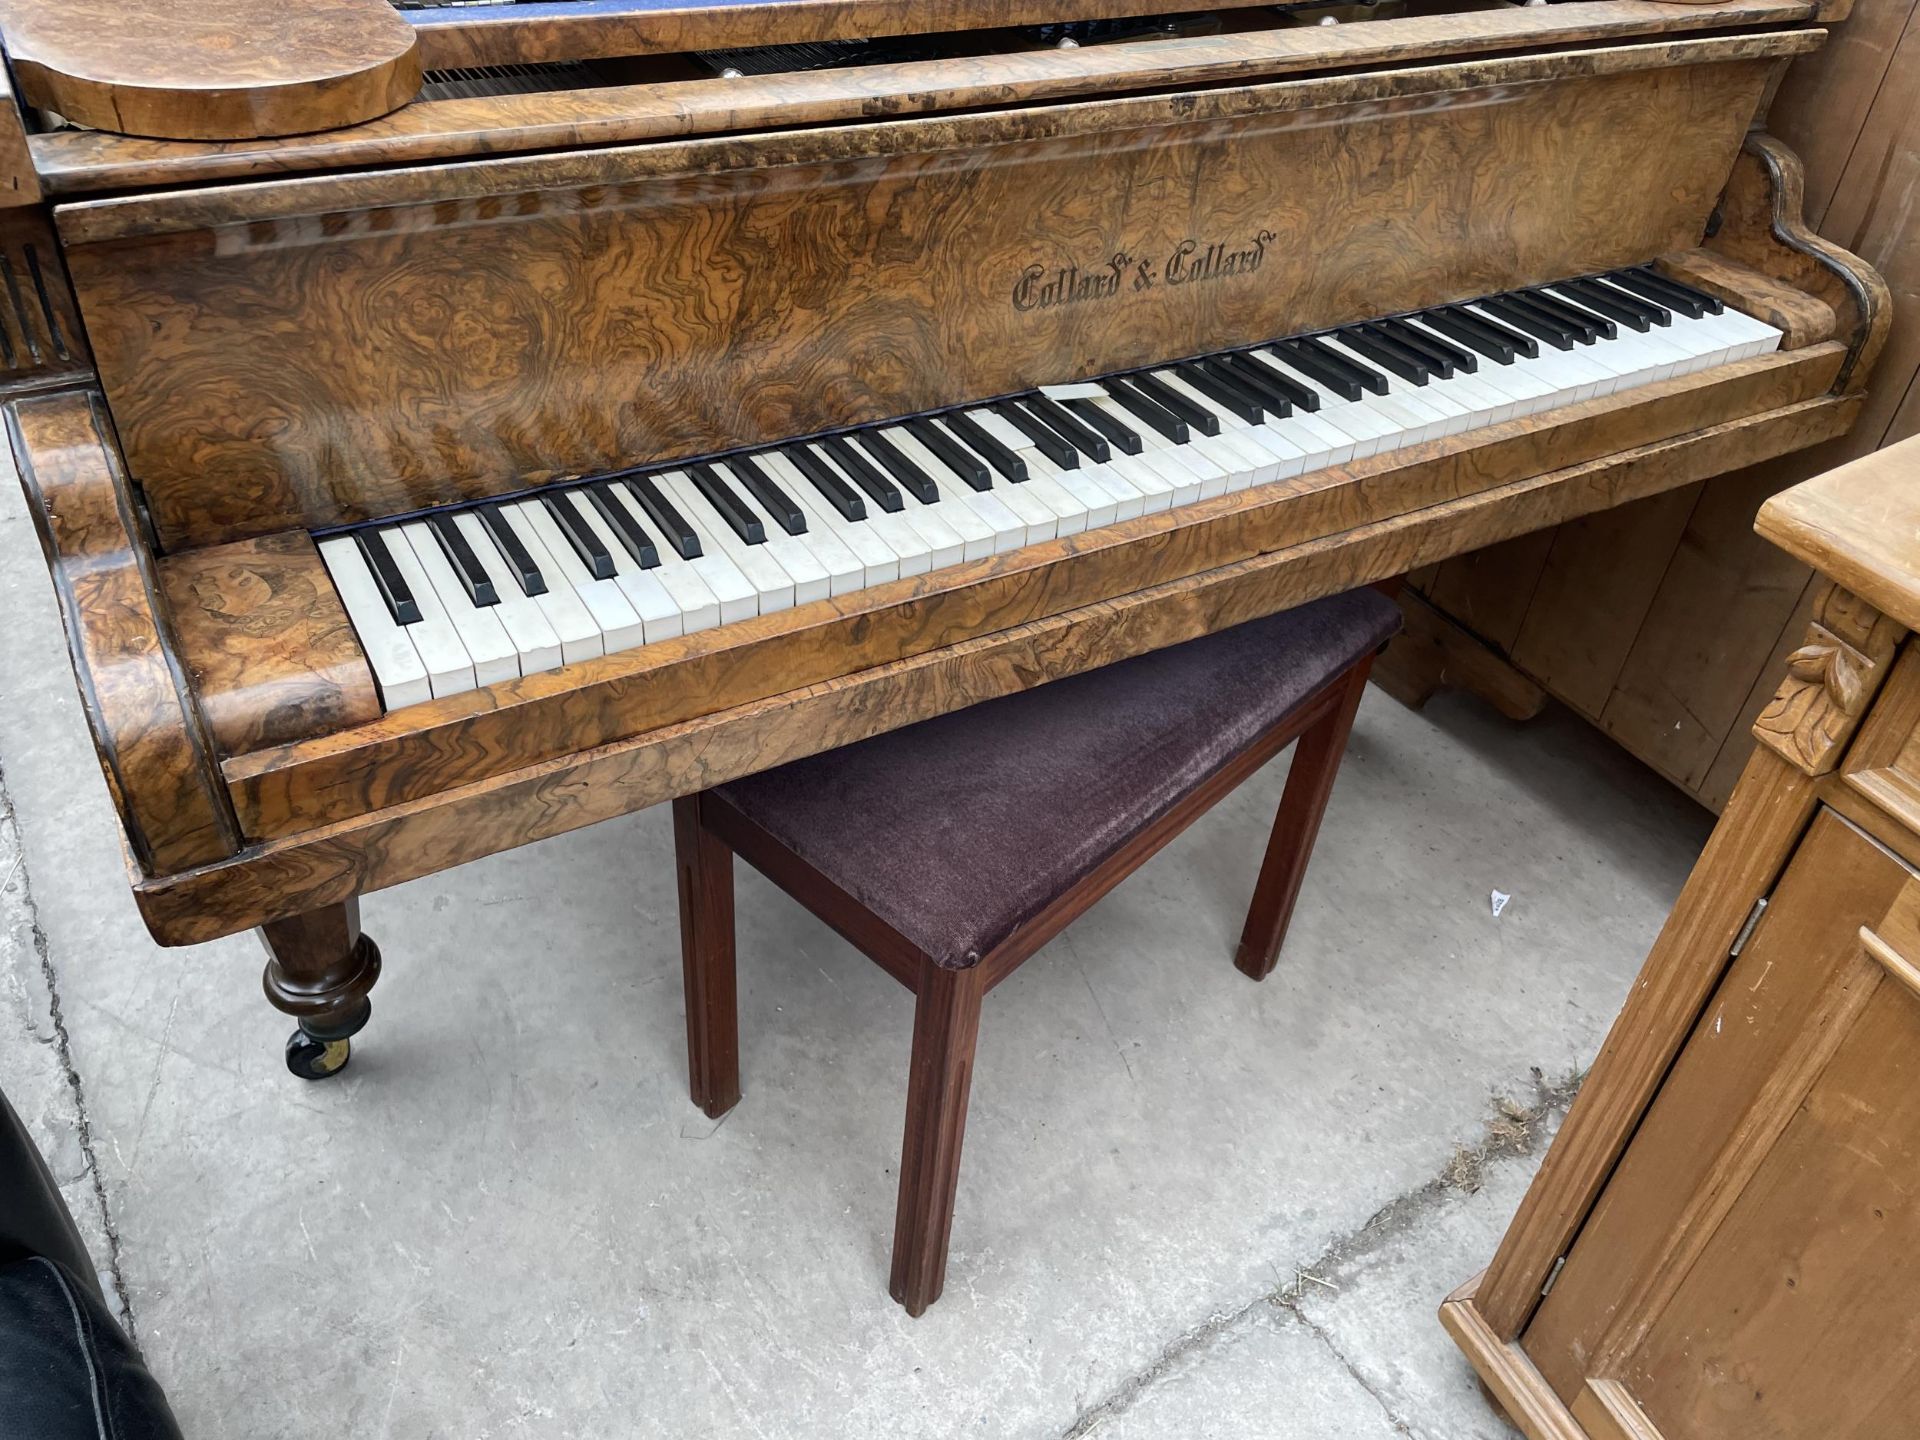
[
  {"x": 705, "y": 867},
  {"x": 319, "y": 970}
]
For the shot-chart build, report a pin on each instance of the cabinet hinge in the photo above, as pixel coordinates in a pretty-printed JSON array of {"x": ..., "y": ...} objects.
[
  {"x": 1747, "y": 929},
  {"x": 1552, "y": 1275}
]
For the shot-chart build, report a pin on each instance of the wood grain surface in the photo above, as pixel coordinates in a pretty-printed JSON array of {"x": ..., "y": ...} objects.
[
  {"x": 432, "y": 747},
  {"x": 275, "y": 374},
  {"x": 41, "y": 339},
  {"x": 1856, "y": 523},
  {"x": 74, "y": 162},
  {"x": 261, "y": 634},
  {"x": 148, "y": 736},
  {"x": 241, "y": 68},
  {"x": 1764, "y": 226},
  {"x": 418, "y": 838},
  {"x": 453, "y": 38}
]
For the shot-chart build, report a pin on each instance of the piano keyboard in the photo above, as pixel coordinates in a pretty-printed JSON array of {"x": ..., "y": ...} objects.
[{"x": 470, "y": 596}]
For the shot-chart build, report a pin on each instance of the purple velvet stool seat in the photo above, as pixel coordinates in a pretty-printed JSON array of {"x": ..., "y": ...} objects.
[{"x": 950, "y": 851}]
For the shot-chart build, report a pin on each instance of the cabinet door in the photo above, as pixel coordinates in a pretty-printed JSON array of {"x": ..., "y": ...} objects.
[{"x": 1752, "y": 1269}]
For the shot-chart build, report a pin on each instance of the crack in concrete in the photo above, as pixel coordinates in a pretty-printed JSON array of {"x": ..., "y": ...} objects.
[
  {"x": 1512, "y": 1132},
  {"x": 63, "y": 1050}
]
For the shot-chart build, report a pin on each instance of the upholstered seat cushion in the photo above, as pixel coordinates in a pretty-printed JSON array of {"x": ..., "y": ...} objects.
[{"x": 957, "y": 830}]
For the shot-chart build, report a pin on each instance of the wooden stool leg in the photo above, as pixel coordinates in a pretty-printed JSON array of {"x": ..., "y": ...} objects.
[
  {"x": 1316, "y": 760},
  {"x": 946, "y": 1023},
  {"x": 319, "y": 970},
  {"x": 705, "y": 868}
]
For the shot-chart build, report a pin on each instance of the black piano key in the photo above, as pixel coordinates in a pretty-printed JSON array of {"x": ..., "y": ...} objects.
[
  {"x": 1653, "y": 310},
  {"x": 1301, "y": 397},
  {"x": 386, "y": 575},
  {"x": 467, "y": 568},
  {"x": 1197, "y": 417},
  {"x": 1427, "y": 342},
  {"x": 1362, "y": 375},
  {"x": 1458, "y": 326},
  {"x": 1069, "y": 427},
  {"x": 1615, "y": 307},
  {"x": 1384, "y": 353},
  {"x": 621, "y": 521},
  {"x": 915, "y": 481},
  {"x": 1521, "y": 318},
  {"x": 1118, "y": 433},
  {"x": 1652, "y": 286},
  {"x": 951, "y": 453},
  {"x": 1679, "y": 289},
  {"x": 1224, "y": 393},
  {"x": 1259, "y": 383},
  {"x": 824, "y": 478},
  {"x": 740, "y": 519},
  {"x": 1421, "y": 355},
  {"x": 1593, "y": 326},
  {"x": 1317, "y": 369},
  {"x": 1053, "y": 446},
  {"x": 1579, "y": 330},
  {"x": 684, "y": 539},
  {"x": 754, "y": 479},
  {"x": 514, "y": 551},
  {"x": 881, "y": 490},
  {"x": 1486, "y": 325},
  {"x": 1144, "y": 408},
  {"x": 586, "y": 544},
  {"x": 974, "y": 436}
]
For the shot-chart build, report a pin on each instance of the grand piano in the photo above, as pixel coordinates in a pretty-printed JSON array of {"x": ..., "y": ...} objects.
[{"x": 450, "y": 427}]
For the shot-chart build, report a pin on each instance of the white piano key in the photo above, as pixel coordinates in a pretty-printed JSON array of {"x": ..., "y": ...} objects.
[
  {"x": 449, "y": 667},
  {"x": 1009, "y": 529},
  {"x": 578, "y": 631},
  {"x": 1001, "y": 429},
  {"x": 1128, "y": 499},
  {"x": 874, "y": 561},
  {"x": 944, "y": 545},
  {"x": 914, "y": 553},
  {"x": 396, "y": 665},
  {"x": 1096, "y": 506},
  {"x": 659, "y": 616},
  {"x": 1155, "y": 489},
  {"x": 620, "y": 624},
  {"x": 976, "y": 537},
  {"x": 770, "y": 581},
  {"x": 482, "y": 636},
  {"x": 534, "y": 638},
  {"x": 699, "y": 606},
  {"x": 1265, "y": 456},
  {"x": 844, "y": 571}
]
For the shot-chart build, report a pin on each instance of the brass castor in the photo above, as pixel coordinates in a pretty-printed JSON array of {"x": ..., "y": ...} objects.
[{"x": 314, "y": 1054}]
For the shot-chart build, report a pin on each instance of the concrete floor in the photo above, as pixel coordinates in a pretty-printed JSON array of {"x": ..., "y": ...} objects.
[{"x": 1190, "y": 1207}]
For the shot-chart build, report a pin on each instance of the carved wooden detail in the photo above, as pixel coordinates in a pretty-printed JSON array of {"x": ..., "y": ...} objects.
[
  {"x": 149, "y": 737},
  {"x": 271, "y": 653},
  {"x": 78, "y": 162},
  {"x": 302, "y": 353},
  {"x": 41, "y": 338},
  {"x": 1830, "y": 680},
  {"x": 241, "y": 68},
  {"x": 1762, "y": 227}
]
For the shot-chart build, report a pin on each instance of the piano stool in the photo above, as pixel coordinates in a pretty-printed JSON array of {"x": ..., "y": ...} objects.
[{"x": 950, "y": 851}]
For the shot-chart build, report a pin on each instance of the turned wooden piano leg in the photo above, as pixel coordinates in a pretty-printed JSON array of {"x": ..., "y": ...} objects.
[
  {"x": 946, "y": 1025},
  {"x": 705, "y": 867},
  {"x": 320, "y": 969},
  {"x": 1316, "y": 760}
]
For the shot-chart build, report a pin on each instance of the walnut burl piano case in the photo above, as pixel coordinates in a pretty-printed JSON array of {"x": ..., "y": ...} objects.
[{"x": 252, "y": 301}]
